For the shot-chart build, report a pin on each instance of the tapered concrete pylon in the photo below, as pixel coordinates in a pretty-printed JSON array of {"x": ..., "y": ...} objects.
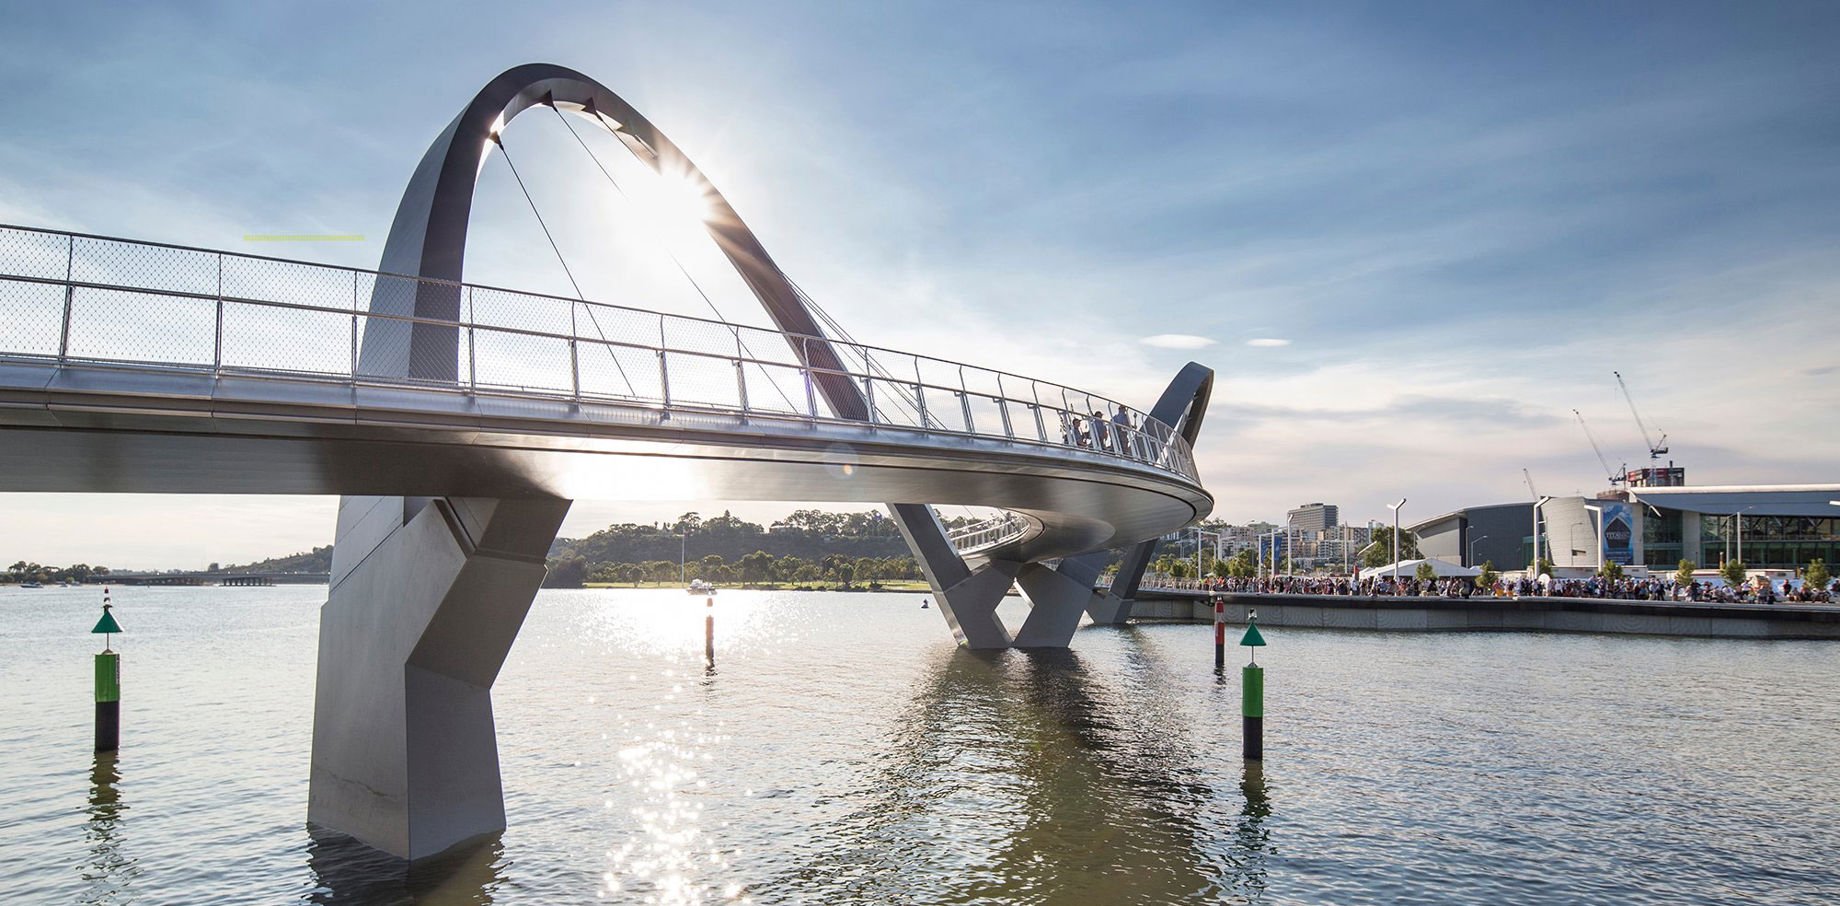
[
  {"x": 426, "y": 598},
  {"x": 1057, "y": 600},
  {"x": 967, "y": 598}
]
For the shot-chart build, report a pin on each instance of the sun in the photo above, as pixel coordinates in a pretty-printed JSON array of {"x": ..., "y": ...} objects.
[{"x": 676, "y": 199}]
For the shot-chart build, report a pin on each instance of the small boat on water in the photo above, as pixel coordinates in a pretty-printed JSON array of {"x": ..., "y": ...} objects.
[
  {"x": 30, "y": 585},
  {"x": 700, "y": 587}
]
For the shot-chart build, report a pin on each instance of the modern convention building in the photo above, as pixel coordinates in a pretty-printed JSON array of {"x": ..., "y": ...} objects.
[{"x": 1765, "y": 526}]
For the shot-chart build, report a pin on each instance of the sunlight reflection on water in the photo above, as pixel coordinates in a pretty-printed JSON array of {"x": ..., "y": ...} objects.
[{"x": 839, "y": 749}]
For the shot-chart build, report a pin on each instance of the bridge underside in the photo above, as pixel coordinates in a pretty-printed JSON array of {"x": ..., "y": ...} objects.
[{"x": 79, "y": 429}]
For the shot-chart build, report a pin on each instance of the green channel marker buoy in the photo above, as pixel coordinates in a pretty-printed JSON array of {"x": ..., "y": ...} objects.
[
  {"x": 108, "y": 682},
  {"x": 1252, "y": 691}
]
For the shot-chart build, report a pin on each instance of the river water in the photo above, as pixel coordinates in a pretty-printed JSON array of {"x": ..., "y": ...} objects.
[{"x": 842, "y": 750}]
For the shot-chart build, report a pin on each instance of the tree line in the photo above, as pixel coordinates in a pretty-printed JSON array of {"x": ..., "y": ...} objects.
[
  {"x": 23, "y": 571},
  {"x": 808, "y": 546},
  {"x": 757, "y": 568}
]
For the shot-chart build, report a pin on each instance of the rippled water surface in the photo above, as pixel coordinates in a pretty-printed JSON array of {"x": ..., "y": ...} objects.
[{"x": 841, "y": 750}]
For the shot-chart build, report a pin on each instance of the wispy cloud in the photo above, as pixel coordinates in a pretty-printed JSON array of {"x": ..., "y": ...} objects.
[
  {"x": 1267, "y": 342},
  {"x": 1177, "y": 341}
]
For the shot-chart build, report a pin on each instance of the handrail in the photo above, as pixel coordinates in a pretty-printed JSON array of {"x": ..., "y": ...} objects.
[
  {"x": 530, "y": 294},
  {"x": 84, "y": 303},
  {"x": 987, "y": 532}
]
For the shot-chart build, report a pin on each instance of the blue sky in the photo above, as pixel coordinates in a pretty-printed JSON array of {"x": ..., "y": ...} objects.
[{"x": 1457, "y": 218}]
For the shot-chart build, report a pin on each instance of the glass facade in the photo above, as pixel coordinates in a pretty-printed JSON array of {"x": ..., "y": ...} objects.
[
  {"x": 1777, "y": 542},
  {"x": 1662, "y": 540}
]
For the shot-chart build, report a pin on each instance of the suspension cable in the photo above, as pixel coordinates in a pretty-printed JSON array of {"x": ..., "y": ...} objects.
[
  {"x": 671, "y": 254},
  {"x": 565, "y": 267},
  {"x": 901, "y": 392}
]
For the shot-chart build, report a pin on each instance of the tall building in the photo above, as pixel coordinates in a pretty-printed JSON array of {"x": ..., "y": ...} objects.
[{"x": 1314, "y": 517}]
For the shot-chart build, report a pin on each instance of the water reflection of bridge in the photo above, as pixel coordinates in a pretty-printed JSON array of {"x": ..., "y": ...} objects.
[{"x": 1014, "y": 774}]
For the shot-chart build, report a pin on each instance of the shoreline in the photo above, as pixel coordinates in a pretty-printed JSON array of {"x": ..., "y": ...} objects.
[{"x": 1607, "y": 616}]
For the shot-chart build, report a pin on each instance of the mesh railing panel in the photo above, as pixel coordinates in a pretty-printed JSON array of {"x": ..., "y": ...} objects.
[
  {"x": 31, "y": 253},
  {"x": 110, "y": 300},
  {"x": 503, "y": 360},
  {"x": 286, "y": 340},
  {"x": 619, "y": 372},
  {"x": 292, "y": 283},
  {"x": 33, "y": 315},
  {"x": 124, "y": 326},
  {"x": 150, "y": 267}
]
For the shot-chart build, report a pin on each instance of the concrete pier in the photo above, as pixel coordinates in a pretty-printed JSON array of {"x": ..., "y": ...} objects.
[{"x": 427, "y": 596}]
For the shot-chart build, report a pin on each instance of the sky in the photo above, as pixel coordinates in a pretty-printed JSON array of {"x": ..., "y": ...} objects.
[{"x": 1410, "y": 238}]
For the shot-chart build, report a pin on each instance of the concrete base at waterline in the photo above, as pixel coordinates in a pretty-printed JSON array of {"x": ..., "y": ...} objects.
[{"x": 426, "y": 597}]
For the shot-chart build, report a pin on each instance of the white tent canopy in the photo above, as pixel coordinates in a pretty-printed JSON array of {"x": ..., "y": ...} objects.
[{"x": 1409, "y": 568}]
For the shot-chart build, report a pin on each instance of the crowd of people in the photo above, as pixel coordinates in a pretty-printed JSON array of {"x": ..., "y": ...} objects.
[
  {"x": 1113, "y": 435},
  {"x": 1758, "y": 591}
]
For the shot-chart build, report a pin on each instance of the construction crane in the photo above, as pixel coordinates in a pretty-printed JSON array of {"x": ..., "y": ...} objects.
[
  {"x": 1655, "y": 448},
  {"x": 1616, "y": 477}
]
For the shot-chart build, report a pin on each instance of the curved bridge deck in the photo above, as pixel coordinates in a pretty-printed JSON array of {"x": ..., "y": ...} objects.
[{"x": 139, "y": 367}]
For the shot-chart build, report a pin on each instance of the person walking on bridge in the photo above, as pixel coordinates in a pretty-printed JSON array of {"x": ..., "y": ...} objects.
[{"x": 1123, "y": 429}]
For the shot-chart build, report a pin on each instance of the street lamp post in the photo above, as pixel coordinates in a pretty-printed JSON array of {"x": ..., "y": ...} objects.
[
  {"x": 1396, "y": 507},
  {"x": 1472, "y": 549},
  {"x": 1738, "y": 517},
  {"x": 1598, "y": 514}
]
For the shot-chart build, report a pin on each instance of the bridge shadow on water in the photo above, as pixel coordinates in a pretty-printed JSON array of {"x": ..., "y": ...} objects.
[{"x": 1034, "y": 776}]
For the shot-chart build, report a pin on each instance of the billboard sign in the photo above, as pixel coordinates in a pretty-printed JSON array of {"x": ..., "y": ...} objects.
[{"x": 1619, "y": 533}]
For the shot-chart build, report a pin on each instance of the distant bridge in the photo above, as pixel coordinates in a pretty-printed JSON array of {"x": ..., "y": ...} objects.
[
  {"x": 228, "y": 580},
  {"x": 460, "y": 420}
]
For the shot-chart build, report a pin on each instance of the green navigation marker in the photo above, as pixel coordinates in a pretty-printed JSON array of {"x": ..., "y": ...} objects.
[
  {"x": 1252, "y": 692},
  {"x": 1253, "y": 638},
  {"x": 108, "y": 682},
  {"x": 106, "y": 625}
]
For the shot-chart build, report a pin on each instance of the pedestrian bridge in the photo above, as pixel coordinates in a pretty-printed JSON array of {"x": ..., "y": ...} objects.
[
  {"x": 458, "y": 421},
  {"x": 138, "y": 367}
]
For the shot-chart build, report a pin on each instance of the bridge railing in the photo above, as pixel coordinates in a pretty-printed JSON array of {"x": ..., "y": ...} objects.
[
  {"x": 987, "y": 532},
  {"x": 75, "y": 298}
]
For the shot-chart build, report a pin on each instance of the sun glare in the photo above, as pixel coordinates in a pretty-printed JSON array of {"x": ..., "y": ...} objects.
[{"x": 676, "y": 199}]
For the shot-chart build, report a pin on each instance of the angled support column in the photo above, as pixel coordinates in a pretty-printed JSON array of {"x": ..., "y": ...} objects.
[
  {"x": 1105, "y": 607},
  {"x": 968, "y": 599},
  {"x": 1057, "y": 600},
  {"x": 1113, "y": 606},
  {"x": 1182, "y": 406},
  {"x": 426, "y": 598}
]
